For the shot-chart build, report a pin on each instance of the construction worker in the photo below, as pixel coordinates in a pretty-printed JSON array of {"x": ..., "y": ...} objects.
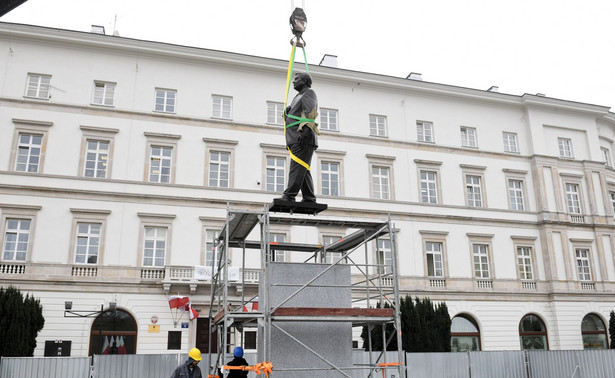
[
  {"x": 190, "y": 368},
  {"x": 237, "y": 361}
]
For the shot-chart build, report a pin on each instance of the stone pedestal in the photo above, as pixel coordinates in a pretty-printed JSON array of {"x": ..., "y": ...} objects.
[{"x": 331, "y": 340}]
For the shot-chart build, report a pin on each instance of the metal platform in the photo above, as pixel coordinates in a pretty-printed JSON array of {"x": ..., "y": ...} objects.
[{"x": 296, "y": 207}]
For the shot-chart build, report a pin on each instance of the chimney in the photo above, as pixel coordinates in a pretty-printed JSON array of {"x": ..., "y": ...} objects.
[
  {"x": 494, "y": 88},
  {"x": 328, "y": 61},
  {"x": 415, "y": 76},
  {"x": 97, "y": 29}
]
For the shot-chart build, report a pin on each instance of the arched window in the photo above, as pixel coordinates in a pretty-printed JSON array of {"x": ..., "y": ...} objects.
[
  {"x": 113, "y": 332},
  {"x": 533, "y": 333},
  {"x": 593, "y": 332},
  {"x": 465, "y": 335}
]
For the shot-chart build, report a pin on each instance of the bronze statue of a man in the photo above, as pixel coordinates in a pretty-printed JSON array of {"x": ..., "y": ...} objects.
[{"x": 301, "y": 139}]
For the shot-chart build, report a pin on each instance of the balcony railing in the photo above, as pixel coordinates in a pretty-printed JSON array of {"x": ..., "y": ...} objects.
[
  {"x": 12, "y": 268},
  {"x": 528, "y": 285},
  {"x": 437, "y": 282},
  {"x": 152, "y": 274},
  {"x": 588, "y": 286},
  {"x": 84, "y": 271},
  {"x": 484, "y": 284},
  {"x": 577, "y": 218},
  {"x": 203, "y": 274}
]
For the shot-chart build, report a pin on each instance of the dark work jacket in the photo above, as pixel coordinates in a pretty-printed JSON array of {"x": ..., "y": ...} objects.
[
  {"x": 183, "y": 371},
  {"x": 237, "y": 361},
  {"x": 304, "y": 101}
]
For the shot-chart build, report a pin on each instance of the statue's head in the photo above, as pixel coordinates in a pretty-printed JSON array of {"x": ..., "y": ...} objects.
[{"x": 302, "y": 79}]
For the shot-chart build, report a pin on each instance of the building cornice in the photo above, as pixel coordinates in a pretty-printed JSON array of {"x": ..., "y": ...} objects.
[{"x": 276, "y": 66}]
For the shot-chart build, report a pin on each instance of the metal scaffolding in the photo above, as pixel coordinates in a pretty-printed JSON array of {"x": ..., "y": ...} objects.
[{"x": 372, "y": 284}]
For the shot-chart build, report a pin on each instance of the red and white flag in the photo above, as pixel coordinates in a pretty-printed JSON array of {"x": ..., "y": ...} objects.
[
  {"x": 106, "y": 349},
  {"x": 177, "y": 301},
  {"x": 255, "y": 304},
  {"x": 121, "y": 348},
  {"x": 192, "y": 312}
]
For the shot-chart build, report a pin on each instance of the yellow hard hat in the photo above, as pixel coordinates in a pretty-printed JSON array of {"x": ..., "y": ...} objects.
[{"x": 195, "y": 354}]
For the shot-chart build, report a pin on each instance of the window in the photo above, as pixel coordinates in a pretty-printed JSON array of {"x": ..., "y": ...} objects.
[
  {"x": 510, "y": 142},
  {"x": 384, "y": 257},
  {"x": 277, "y": 255},
  {"x": 219, "y": 167},
  {"x": 612, "y": 196},
  {"x": 160, "y": 164},
  {"x": 219, "y": 162},
  {"x": 331, "y": 172},
  {"x": 515, "y": 194},
  {"x": 468, "y": 137},
  {"x": 424, "y": 132},
  {"x": 524, "y": 263},
  {"x": 480, "y": 254},
  {"x": 328, "y": 119},
  {"x": 274, "y": 113},
  {"x": 606, "y": 156},
  {"x": 88, "y": 243},
  {"x": 380, "y": 182},
  {"x": 154, "y": 246},
  {"x": 249, "y": 339},
  {"x": 377, "y": 125},
  {"x": 96, "y": 151},
  {"x": 17, "y": 224},
  {"x": 381, "y": 178},
  {"x": 29, "y": 144},
  {"x": 532, "y": 333},
  {"x": 473, "y": 191},
  {"x": 433, "y": 252},
  {"x": 221, "y": 107},
  {"x": 435, "y": 263},
  {"x": 276, "y": 167},
  {"x": 565, "y": 147},
  {"x": 211, "y": 257},
  {"x": 165, "y": 100},
  {"x": 29, "y": 153},
  {"x": 572, "y": 198},
  {"x": 16, "y": 239},
  {"x": 465, "y": 335},
  {"x": 330, "y": 178},
  {"x": 593, "y": 332},
  {"x": 174, "y": 340},
  {"x": 583, "y": 267},
  {"x": 331, "y": 257},
  {"x": 429, "y": 186},
  {"x": 96, "y": 157},
  {"x": 38, "y": 86},
  {"x": 103, "y": 93},
  {"x": 428, "y": 181}
]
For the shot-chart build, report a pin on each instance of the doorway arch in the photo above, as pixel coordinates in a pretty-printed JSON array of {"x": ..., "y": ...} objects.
[{"x": 113, "y": 332}]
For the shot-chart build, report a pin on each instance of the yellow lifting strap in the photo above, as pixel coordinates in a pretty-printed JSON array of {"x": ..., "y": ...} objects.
[{"x": 289, "y": 75}]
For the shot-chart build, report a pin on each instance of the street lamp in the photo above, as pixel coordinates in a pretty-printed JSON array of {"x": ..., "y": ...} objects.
[{"x": 111, "y": 312}]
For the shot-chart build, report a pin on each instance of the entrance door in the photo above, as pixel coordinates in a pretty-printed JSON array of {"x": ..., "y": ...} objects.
[
  {"x": 113, "y": 332},
  {"x": 202, "y": 336}
]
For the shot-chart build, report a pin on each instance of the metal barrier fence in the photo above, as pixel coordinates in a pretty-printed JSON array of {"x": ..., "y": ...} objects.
[
  {"x": 52, "y": 367},
  {"x": 136, "y": 365},
  {"x": 505, "y": 364}
]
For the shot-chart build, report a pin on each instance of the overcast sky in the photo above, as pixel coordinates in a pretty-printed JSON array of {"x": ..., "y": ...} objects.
[{"x": 562, "y": 48}]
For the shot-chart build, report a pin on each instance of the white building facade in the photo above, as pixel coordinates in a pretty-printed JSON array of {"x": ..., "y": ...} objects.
[{"x": 119, "y": 157}]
